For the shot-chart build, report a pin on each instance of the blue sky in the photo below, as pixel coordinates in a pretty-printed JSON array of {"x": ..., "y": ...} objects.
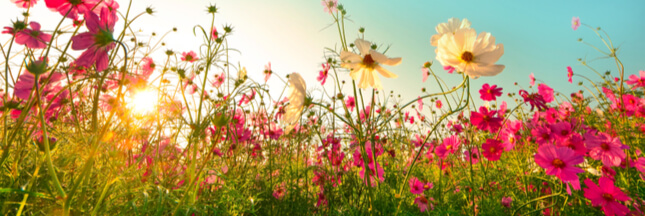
[{"x": 291, "y": 34}]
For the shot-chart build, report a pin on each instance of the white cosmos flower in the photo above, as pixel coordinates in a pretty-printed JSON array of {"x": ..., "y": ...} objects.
[
  {"x": 451, "y": 27},
  {"x": 363, "y": 66},
  {"x": 475, "y": 55},
  {"x": 297, "y": 91}
]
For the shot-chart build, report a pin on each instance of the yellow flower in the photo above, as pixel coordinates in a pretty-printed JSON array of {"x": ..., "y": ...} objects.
[
  {"x": 297, "y": 92},
  {"x": 475, "y": 55},
  {"x": 363, "y": 66}
]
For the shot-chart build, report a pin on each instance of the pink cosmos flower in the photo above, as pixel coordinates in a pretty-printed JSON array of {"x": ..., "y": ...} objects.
[
  {"x": 97, "y": 42},
  {"x": 33, "y": 38},
  {"x": 640, "y": 165},
  {"x": 449, "y": 68},
  {"x": 148, "y": 66},
  {"x": 24, "y": 3},
  {"x": 490, "y": 93},
  {"x": 214, "y": 33},
  {"x": 485, "y": 120},
  {"x": 492, "y": 149},
  {"x": 219, "y": 80},
  {"x": 420, "y": 102},
  {"x": 546, "y": 92},
  {"x": 606, "y": 148},
  {"x": 506, "y": 201},
  {"x": 637, "y": 81},
  {"x": 330, "y": 6},
  {"x": 425, "y": 72},
  {"x": 422, "y": 202},
  {"x": 189, "y": 56},
  {"x": 416, "y": 186},
  {"x": 575, "y": 23},
  {"x": 438, "y": 104},
  {"x": 606, "y": 195},
  {"x": 322, "y": 76},
  {"x": 534, "y": 99},
  {"x": 560, "y": 162},
  {"x": 532, "y": 79},
  {"x": 570, "y": 74},
  {"x": 473, "y": 155},
  {"x": 351, "y": 103},
  {"x": 561, "y": 130},
  {"x": 71, "y": 7},
  {"x": 280, "y": 191},
  {"x": 267, "y": 72},
  {"x": 449, "y": 146}
]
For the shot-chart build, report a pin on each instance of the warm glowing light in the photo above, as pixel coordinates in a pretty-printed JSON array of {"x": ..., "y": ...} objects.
[{"x": 144, "y": 102}]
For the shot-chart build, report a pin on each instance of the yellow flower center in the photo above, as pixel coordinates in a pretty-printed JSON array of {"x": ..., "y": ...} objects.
[{"x": 467, "y": 56}]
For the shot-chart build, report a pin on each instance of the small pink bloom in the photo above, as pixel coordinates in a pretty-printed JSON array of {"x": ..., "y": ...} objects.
[
  {"x": 72, "y": 8},
  {"x": 490, "y": 93},
  {"x": 575, "y": 23},
  {"x": 449, "y": 68},
  {"x": 351, "y": 103},
  {"x": 485, "y": 120},
  {"x": 214, "y": 33},
  {"x": 422, "y": 202},
  {"x": 322, "y": 76},
  {"x": 637, "y": 81},
  {"x": 267, "y": 72},
  {"x": 420, "y": 102},
  {"x": 97, "y": 42},
  {"x": 24, "y": 3},
  {"x": 189, "y": 56},
  {"x": 416, "y": 186},
  {"x": 330, "y": 6},
  {"x": 148, "y": 66},
  {"x": 546, "y": 92},
  {"x": 570, "y": 74},
  {"x": 492, "y": 149},
  {"x": 33, "y": 38},
  {"x": 219, "y": 80},
  {"x": 532, "y": 79},
  {"x": 280, "y": 191},
  {"x": 473, "y": 156},
  {"x": 506, "y": 201},
  {"x": 607, "y": 196},
  {"x": 438, "y": 104},
  {"x": 606, "y": 148},
  {"x": 449, "y": 146},
  {"x": 534, "y": 99}
]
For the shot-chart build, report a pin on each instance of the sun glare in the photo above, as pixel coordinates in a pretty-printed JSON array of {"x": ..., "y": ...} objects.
[{"x": 144, "y": 102}]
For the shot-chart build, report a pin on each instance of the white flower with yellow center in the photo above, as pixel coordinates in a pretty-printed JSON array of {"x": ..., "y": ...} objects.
[
  {"x": 297, "y": 92},
  {"x": 450, "y": 27},
  {"x": 363, "y": 66},
  {"x": 475, "y": 55}
]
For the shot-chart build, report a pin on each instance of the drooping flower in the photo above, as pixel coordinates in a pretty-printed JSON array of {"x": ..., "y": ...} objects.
[
  {"x": 575, "y": 23},
  {"x": 560, "y": 162},
  {"x": 72, "y": 8},
  {"x": 330, "y": 6},
  {"x": 486, "y": 120},
  {"x": 97, "y": 42},
  {"x": 492, "y": 149},
  {"x": 570, "y": 74},
  {"x": 534, "y": 99},
  {"x": 449, "y": 27},
  {"x": 532, "y": 79},
  {"x": 422, "y": 202},
  {"x": 420, "y": 103},
  {"x": 424, "y": 74},
  {"x": 363, "y": 66},
  {"x": 637, "y": 81},
  {"x": 546, "y": 92},
  {"x": 148, "y": 66},
  {"x": 189, "y": 56},
  {"x": 33, "y": 38},
  {"x": 471, "y": 54},
  {"x": 490, "y": 93},
  {"x": 322, "y": 76},
  {"x": 606, "y": 195},
  {"x": 297, "y": 88},
  {"x": 24, "y": 3},
  {"x": 606, "y": 148},
  {"x": 267, "y": 72}
]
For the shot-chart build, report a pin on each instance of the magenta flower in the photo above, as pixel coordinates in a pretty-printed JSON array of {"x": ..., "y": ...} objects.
[
  {"x": 71, "y": 7},
  {"x": 424, "y": 74},
  {"x": 506, "y": 201},
  {"x": 219, "y": 80},
  {"x": 606, "y": 195},
  {"x": 438, "y": 104},
  {"x": 570, "y": 74},
  {"x": 420, "y": 102},
  {"x": 640, "y": 164},
  {"x": 214, "y": 34},
  {"x": 97, "y": 42},
  {"x": 422, "y": 202},
  {"x": 532, "y": 79},
  {"x": 485, "y": 120},
  {"x": 575, "y": 23},
  {"x": 33, "y": 38},
  {"x": 279, "y": 191},
  {"x": 546, "y": 92},
  {"x": 490, "y": 93},
  {"x": 330, "y": 6},
  {"x": 534, "y": 99},
  {"x": 560, "y": 162},
  {"x": 449, "y": 146},
  {"x": 606, "y": 148},
  {"x": 473, "y": 155},
  {"x": 416, "y": 186},
  {"x": 351, "y": 103},
  {"x": 637, "y": 81},
  {"x": 322, "y": 76},
  {"x": 24, "y": 3},
  {"x": 492, "y": 149},
  {"x": 189, "y": 56},
  {"x": 148, "y": 66}
]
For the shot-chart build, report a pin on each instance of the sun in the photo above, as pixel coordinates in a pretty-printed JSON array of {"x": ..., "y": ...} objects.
[{"x": 144, "y": 102}]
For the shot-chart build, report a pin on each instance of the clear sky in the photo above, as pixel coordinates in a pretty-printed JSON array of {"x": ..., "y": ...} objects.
[{"x": 291, "y": 34}]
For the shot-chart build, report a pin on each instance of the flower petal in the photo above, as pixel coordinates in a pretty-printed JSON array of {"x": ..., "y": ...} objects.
[{"x": 382, "y": 59}]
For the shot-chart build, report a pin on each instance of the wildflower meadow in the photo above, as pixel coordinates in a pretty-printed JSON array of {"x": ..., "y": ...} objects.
[{"x": 97, "y": 119}]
